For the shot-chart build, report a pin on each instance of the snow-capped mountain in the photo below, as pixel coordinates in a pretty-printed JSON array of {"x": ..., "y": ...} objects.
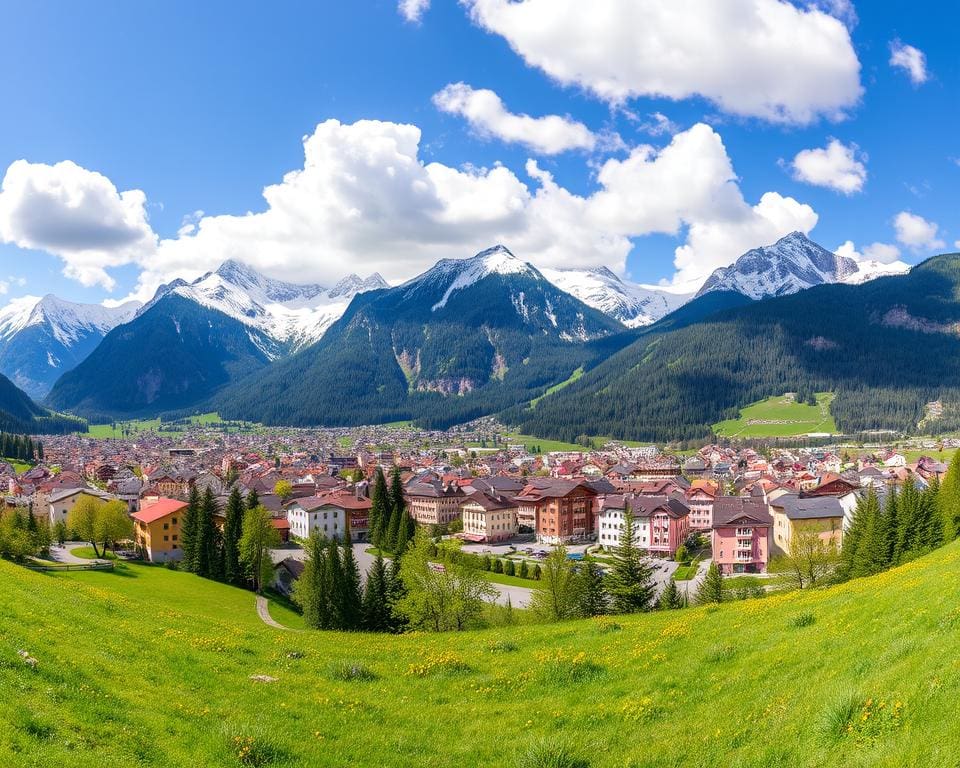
[
  {"x": 42, "y": 337},
  {"x": 791, "y": 264},
  {"x": 291, "y": 315},
  {"x": 869, "y": 269},
  {"x": 632, "y": 304}
]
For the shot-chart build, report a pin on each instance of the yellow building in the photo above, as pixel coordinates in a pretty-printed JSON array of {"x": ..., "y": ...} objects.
[
  {"x": 823, "y": 514},
  {"x": 156, "y": 529}
]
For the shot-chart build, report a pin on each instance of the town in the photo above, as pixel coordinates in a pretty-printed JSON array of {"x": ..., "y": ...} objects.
[{"x": 472, "y": 488}]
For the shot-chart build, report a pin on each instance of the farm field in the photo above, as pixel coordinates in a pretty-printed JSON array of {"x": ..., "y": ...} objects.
[
  {"x": 780, "y": 416},
  {"x": 150, "y": 667}
]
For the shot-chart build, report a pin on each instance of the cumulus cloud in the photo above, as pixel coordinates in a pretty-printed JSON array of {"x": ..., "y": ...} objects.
[
  {"x": 916, "y": 232},
  {"x": 837, "y": 166},
  {"x": 549, "y": 135},
  {"x": 365, "y": 201},
  {"x": 911, "y": 60},
  {"x": 885, "y": 253},
  {"x": 75, "y": 214},
  {"x": 755, "y": 58},
  {"x": 413, "y": 10}
]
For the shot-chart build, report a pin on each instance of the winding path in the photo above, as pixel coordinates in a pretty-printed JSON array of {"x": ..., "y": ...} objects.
[{"x": 263, "y": 611}]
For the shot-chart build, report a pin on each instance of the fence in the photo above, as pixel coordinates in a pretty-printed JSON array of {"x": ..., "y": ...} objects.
[{"x": 108, "y": 566}]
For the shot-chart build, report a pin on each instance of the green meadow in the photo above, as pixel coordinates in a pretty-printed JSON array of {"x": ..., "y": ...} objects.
[
  {"x": 780, "y": 416},
  {"x": 150, "y": 667}
]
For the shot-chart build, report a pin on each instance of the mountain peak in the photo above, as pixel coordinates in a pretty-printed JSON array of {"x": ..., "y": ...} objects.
[{"x": 791, "y": 264}]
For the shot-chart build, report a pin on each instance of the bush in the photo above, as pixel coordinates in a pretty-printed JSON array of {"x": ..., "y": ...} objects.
[
  {"x": 485, "y": 562},
  {"x": 498, "y": 566},
  {"x": 537, "y": 571},
  {"x": 508, "y": 568},
  {"x": 522, "y": 571},
  {"x": 348, "y": 671},
  {"x": 550, "y": 754},
  {"x": 802, "y": 620}
]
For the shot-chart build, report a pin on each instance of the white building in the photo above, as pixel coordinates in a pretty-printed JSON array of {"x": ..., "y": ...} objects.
[
  {"x": 61, "y": 502},
  {"x": 317, "y": 514}
]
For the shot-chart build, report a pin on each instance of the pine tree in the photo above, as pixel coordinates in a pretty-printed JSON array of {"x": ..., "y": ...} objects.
[
  {"x": 403, "y": 534},
  {"x": 352, "y": 594},
  {"x": 711, "y": 588},
  {"x": 253, "y": 499},
  {"x": 908, "y": 533},
  {"x": 376, "y": 598},
  {"x": 397, "y": 503},
  {"x": 931, "y": 516},
  {"x": 232, "y": 530},
  {"x": 206, "y": 550},
  {"x": 396, "y": 592},
  {"x": 393, "y": 533},
  {"x": 950, "y": 501},
  {"x": 594, "y": 600},
  {"x": 630, "y": 581},
  {"x": 190, "y": 531},
  {"x": 669, "y": 598},
  {"x": 379, "y": 509},
  {"x": 312, "y": 590},
  {"x": 214, "y": 536}
]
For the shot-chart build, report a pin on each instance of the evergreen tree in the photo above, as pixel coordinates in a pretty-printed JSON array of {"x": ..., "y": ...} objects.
[
  {"x": 630, "y": 581},
  {"x": 312, "y": 590},
  {"x": 397, "y": 503},
  {"x": 232, "y": 530},
  {"x": 392, "y": 537},
  {"x": 670, "y": 598},
  {"x": 908, "y": 533},
  {"x": 376, "y": 598},
  {"x": 207, "y": 552},
  {"x": 950, "y": 501},
  {"x": 591, "y": 590},
  {"x": 931, "y": 516},
  {"x": 403, "y": 534},
  {"x": 711, "y": 588},
  {"x": 352, "y": 594},
  {"x": 190, "y": 531},
  {"x": 396, "y": 591},
  {"x": 379, "y": 509},
  {"x": 253, "y": 499}
]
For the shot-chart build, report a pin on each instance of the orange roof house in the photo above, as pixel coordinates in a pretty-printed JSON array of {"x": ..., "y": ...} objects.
[{"x": 156, "y": 530}]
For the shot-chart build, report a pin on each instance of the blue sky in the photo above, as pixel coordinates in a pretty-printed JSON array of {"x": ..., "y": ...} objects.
[{"x": 201, "y": 105}]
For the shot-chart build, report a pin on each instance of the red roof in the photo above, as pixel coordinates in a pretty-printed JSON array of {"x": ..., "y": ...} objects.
[
  {"x": 160, "y": 508},
  {"x": 280, "y": 523}
]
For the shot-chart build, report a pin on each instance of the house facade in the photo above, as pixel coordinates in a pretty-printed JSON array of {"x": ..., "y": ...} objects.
[
  {"x": 741, "y": 534},
  {"x": 561, "y": 510},
  {"x": 156, "y": 530},
  {"x": 488, "y": 518},
  {"x": 823, "y": 515},
  {"x": 326, "y": 514},
  {"x": 61, "y": 502},
  {"x": 434, "y": 502},
  {"x": 660, "y": 523}
]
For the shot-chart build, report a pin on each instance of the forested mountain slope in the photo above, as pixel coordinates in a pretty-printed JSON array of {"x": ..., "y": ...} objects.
[{"x": 886, "y": 347}]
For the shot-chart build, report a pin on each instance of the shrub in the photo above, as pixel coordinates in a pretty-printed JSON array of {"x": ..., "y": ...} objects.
[
  {"x": 350, "y": 670},
  {"x": 550, "y": 754},
  {"x": 537, "y": 571},
  {"x": 802, "y": 620},
  {"x": 498, "y": 566},
  {"x": 522, "y": 571},
  {"x": 508, "y": 568},
  {"x": 485, "y": 562}
]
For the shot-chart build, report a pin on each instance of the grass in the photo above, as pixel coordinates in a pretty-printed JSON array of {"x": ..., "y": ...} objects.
[
  {"x": 684, "y": 572},
  {"x": 121, "y": 429},
  {"x": 780, "y": 417},
  {"x": 545, "y": 445},
  {"x": 510, "y": 581},
  {"x": 89, "y": 554},
  {"x": 557, "y": 387},
  {"x": 149, "y": 667},
  {"x": 18, "y": 466}
]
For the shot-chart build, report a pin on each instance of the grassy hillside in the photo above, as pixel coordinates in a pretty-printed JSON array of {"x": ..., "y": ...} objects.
[
  {"x": 153, "y": 668},
  {"x": 780, "y": 416}
]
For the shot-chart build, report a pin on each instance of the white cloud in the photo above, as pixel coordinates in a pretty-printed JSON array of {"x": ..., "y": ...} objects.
[
  {"x": 365, "y": 201},
  {"x": 755, "y": 58},
  {"x": 884, "y": 253},
  {"x": 841, "y": 9},
  {"x": 911, "y": 60},
  {"x": 835, "y": 166},
  {"x": 916, "y": 232},
  {"x": 487, "y": 115},
  {"x": 75, "y": 214},
  {"x": 413, "y": 10}
]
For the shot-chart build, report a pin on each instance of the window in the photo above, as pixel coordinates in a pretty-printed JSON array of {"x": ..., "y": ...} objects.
[
  {"x": 173, "y": 521},
  {"x": 166, "y": 538}
]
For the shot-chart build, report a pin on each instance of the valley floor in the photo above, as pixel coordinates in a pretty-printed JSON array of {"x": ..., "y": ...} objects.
[{"x": 150, "y": 667}]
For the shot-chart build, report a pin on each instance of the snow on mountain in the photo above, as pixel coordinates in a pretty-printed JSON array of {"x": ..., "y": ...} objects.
[
  {"x": 293, "y": 315},
  {"x": 791, "y": 264},
  {"x": 868, "y": 269},
  {"x": 41, "y": 337},
  {"x": 632, "y": 304}
]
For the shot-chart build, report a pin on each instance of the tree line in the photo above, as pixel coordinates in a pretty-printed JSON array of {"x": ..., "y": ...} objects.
[{"x": 20, "y": 447}]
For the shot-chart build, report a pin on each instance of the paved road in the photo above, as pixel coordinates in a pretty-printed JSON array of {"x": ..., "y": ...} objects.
[
  {"x": 65, "y": 554},
  {"x": 519, "y": 596},
  {"x": 263, "y": 611}
]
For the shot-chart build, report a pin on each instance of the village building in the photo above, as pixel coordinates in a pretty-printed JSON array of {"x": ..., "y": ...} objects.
[
  {"x": 561, "y": 511},
  {"x": 433, "y": 502},
  {"x": 741, "y": 534},
  {"x": 156, "y": 530},
  {"x": 488, "y": 518}
]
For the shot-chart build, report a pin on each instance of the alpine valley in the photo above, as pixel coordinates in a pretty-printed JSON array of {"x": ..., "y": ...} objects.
[{"x": 491, "y": 334}]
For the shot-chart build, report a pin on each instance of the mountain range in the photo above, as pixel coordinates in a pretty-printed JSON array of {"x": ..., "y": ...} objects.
[{"x": 466, "y": 338}]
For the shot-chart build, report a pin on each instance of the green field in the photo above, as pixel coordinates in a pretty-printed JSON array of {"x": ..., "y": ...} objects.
[
  {"x": 780, "y": 417},
  {"x": 18, "y": 466},
  {"x": 150, "y": 667},
  {"x": 121, "y": 429},
  {"x": 557, "y": 387},
  {"x": 546, "y": 446}
]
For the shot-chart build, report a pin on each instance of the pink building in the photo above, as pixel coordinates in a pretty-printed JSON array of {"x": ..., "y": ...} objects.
[
  {"x": 741, "y": 534},
  {"x": 666, "y": 518}
]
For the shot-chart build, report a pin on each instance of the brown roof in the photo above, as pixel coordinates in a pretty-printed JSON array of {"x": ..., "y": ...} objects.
[
  {"x": 728, "y": 510},
  {"x": 340, "y": 499}
]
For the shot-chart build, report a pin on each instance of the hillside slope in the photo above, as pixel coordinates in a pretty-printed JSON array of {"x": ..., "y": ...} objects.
[
  {"x": 886, "y": 348},
  {"x": 467, "y": 338},
  {"x": 152, "y": 667},
  {"x": 19, "y": 414}
]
